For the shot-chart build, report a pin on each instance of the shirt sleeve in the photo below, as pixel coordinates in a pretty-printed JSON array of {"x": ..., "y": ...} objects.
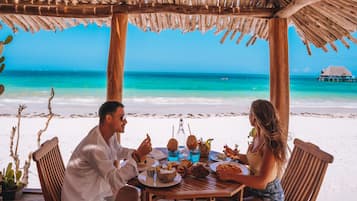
[
  {"x": 115, "y": 177},
  {"x": 124, "y": 153}
]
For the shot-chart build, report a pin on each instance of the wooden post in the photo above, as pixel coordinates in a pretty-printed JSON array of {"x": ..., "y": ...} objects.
[
  {"x": 279, "y": 69},
  {"x": 115, "y": 70}
]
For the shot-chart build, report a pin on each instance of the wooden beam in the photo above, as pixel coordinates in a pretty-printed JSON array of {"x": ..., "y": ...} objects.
[
  {"x": 279, "y": 69},
  {"x": 115, "y": 70},
  {"x": 97, "y": 11},
  {"x": 293, "y": 7}
]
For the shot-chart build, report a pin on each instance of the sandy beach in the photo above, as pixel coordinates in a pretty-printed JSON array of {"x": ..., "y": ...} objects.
[{"x": 334, "y": 134}]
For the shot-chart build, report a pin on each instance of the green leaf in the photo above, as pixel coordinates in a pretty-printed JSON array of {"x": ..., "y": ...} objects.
[
  {"x": 8, "y": 40},
  {"x": 8, "y": 169},
  {"x": 12, "y": 175},
  {"x": 2, "y": 59},
  {"x": 2, "y": 67},
  {"x": 18, "y": 175}
]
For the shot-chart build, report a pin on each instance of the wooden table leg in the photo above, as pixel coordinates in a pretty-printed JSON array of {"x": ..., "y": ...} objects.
[
  {"x": 241, "y": 195},
  {"x": 146, "y": 196}
]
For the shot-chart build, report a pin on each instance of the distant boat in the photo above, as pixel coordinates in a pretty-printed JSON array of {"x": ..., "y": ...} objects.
[{"x": 336, "y": 74}]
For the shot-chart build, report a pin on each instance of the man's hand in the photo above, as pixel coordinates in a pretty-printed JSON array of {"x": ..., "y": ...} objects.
[{"x": 144, "y": 148}]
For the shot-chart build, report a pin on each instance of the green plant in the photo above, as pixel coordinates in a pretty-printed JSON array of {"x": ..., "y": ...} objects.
[
  {"x": 11, "y": 178},
  {"x": 2, "y": 59}
]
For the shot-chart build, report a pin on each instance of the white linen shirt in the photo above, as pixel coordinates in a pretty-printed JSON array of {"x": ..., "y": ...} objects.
[{"x": 91, "y": 175}]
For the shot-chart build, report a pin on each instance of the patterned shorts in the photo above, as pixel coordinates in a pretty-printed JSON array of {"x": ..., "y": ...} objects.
[{"x": 272, "y": 192}]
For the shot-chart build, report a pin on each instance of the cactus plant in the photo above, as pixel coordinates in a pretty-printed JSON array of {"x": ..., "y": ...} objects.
[
  {"x": 10, "y": 179},
  {"x": 2, "y": 58}
]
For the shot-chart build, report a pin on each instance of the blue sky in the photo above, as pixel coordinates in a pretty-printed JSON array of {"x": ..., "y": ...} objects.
[{"x": 86, "y": 48}]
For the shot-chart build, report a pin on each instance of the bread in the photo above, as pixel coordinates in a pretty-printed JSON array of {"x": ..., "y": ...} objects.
[
  {"x": 200, "y": 170},
  {"x": 186, "y": 163},
  {"x": 229, "y": 167},
  {"x": 182, "y": 170}
]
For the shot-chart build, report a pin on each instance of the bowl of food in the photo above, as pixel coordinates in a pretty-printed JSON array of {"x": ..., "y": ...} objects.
[{"x": 166, "y": 174}]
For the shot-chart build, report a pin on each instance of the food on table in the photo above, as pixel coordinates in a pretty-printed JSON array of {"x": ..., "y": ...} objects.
[
  {"x": 221, "y": 156},
  {"x": 205, "y": 147},
  {"x": 200, "y": 170},
  {"x": 191, "y": 142},
  {"x": 233, "y": 154},
  {"x": 229, "y": 167},
  {"x": 184, "y": 167},
  {"x": 173, "y": 164},
  {"x": 186, "y": 163},
  {"x": 182, "y": 170},
  {"x": 166, "y": 173},
  {"x": 172, "y": 145}
]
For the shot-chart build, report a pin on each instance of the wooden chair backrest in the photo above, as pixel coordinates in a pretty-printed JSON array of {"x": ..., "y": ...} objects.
[
  {"x": 50, "y": 169},
  {"x": 305, "y": 172}
]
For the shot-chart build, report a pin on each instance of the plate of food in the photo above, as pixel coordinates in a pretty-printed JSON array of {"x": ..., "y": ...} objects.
[
  {"x": 160, "y": 178},
  {"x": 219, "y": 157},
  {"x": 240, "y": 168}
]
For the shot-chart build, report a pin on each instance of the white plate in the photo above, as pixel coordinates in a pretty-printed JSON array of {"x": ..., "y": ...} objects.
[
  {"x": 245, "y": 170},
  {"x": 155, "y": 182},
  {"x": 157, "y": 154},
  {"x": 213, "y": 157}
]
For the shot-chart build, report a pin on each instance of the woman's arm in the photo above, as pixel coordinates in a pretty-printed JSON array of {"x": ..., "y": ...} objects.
[{"x": 257, "y": 181}]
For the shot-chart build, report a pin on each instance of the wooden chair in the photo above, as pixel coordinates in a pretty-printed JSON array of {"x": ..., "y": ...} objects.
[
  {"x": 50, "y": 169},
  {"x": 305, "y": 172}
]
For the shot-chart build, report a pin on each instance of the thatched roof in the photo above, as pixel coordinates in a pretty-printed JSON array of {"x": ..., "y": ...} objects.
[
  {"x": 318, "y": 22},
  {"x": 336, "y": 71}
]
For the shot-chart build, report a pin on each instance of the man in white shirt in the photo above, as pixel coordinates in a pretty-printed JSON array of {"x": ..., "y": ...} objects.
[{"x": 92, "y": 173}]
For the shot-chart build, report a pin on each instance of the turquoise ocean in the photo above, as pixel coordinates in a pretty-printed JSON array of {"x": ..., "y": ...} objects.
[{"x": 155, "y": 92}]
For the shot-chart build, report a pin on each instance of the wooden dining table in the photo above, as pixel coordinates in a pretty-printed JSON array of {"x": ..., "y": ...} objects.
[{"x": 192, "y": 188}]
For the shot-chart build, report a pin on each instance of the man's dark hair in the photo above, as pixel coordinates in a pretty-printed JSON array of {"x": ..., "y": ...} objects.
[{"x": 108, "y": 107}]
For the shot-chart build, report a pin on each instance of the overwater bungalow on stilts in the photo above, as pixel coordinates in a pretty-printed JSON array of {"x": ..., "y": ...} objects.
[{"x": 336, "y": 74}]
